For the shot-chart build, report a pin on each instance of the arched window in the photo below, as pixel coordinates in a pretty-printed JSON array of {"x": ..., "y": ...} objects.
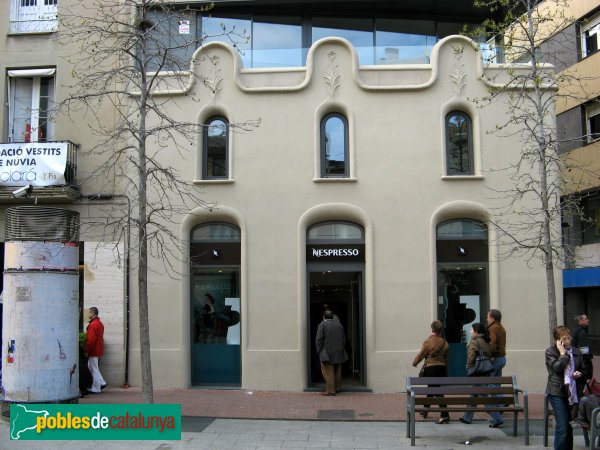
[
  {"x": 334, "y": 146},
  {"x": 459, "y": 144},
  {"x": 215, "y": 158},
  {"x": 335, "y": 231}
]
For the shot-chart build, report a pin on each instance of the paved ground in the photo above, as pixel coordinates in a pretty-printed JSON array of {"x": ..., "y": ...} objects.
[{"x": 239, "y": 419}]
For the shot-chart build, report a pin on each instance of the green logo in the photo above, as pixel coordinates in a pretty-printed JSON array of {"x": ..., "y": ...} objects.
[{"x": 95, "y": 422}]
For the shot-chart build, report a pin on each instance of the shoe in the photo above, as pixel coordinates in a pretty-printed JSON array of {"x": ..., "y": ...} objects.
[
  {"x": 328, "y": 394},
  {"x": 423, "y": 414},
  {"x": 443, "y": 420},
  {"x": 461, "y": 420},
  {"x": 103, "y": 386},
  {"x": 92, "y": 392},
  {"x": 579, "y": 423},
  {"x": 496, "y": 425}
]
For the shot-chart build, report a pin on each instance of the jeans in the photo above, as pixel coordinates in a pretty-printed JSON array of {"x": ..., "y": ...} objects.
[
  {"x": 495, "y": 417},
  {"x": 563, "y": 433}
]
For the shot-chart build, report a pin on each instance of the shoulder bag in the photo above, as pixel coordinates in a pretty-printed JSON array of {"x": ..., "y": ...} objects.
[{"x": 483, "y": 366}]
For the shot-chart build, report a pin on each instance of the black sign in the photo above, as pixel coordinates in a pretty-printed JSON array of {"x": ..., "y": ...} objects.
[{"x": 335, "y": 252}]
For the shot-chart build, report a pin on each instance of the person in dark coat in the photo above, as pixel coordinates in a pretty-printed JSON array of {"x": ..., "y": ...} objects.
[
  {"x": 565, "y": 367},
  {"x": 330, "y": 348},
  {"x": 581, "y": 341}
]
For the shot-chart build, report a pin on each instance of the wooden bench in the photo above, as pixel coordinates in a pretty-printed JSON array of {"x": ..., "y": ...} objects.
[{"x": 499, "y": 394}]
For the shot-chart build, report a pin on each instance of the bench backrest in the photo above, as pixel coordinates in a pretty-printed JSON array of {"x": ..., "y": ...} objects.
[{"x": 458, "y": 390}]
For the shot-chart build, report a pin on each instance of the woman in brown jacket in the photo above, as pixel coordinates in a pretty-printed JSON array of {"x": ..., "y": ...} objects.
[{"x": 435, "y": 353}]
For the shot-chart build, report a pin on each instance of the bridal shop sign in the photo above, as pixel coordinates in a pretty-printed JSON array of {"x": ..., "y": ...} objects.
[{"x": 34, "y": 163}]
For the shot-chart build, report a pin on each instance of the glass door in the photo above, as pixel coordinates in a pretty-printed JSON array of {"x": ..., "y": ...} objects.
[{"x": 215, "y": 326}]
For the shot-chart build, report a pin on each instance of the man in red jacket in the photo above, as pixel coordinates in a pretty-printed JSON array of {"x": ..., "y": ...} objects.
[{"x": 94, "y": 346}]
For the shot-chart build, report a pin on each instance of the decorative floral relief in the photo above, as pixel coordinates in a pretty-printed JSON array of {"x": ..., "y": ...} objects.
[
  {"x": 458, "y": 74},
  {"x": 332, "y": 75},
  {"x": 214, "y": 82}
]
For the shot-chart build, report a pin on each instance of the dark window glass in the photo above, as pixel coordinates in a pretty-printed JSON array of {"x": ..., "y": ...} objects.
[
  {"x": 334, "y": 146},
  {"x": 590, "y": 38},
  {"x": 216, "y": 132},
  {"x": 459, "y": 152},
  {"x": 590, "y": 221},
  {"x": 594, "y": 126}
]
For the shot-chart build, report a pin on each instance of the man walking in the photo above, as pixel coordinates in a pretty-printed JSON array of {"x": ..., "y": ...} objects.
[
  {"x": 498, "y": 353},
  {"x": 94, "y": 346},
  {"x": 580, "y": 340},
  {"x": 330, "y": 348}
]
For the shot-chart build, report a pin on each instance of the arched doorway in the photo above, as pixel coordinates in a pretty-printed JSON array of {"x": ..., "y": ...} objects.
[
  {"x": 215, "y": 304},
  {"x": 462, "y": 280},
  {"x": 335, "y": 258}
]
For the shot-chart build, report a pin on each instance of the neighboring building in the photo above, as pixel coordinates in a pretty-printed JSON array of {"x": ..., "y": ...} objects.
[
  {"x": 366, "y": 187},
  {"x": 574, "y": 52}
]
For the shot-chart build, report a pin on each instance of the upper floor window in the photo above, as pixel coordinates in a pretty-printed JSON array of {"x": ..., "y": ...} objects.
[
  {"x": 592, "y": 120},
  {"x": 33, "y": 16},
  {"x": 31, "y": 94},
  {"x": 459, "y": 144},
  {"x": 264, "y": 39},
  {"x": 334, "y": 146},
  {"x": 215, "y": 158},
  {"x": 590, "y": 35}
]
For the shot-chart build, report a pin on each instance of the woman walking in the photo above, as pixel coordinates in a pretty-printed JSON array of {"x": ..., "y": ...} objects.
[{"x": 435, "y": 353}]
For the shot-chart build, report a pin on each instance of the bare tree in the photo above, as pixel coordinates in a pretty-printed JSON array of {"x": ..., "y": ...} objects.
[
  {"x": 121, "y": 48},
  {"x": 540, "y": 173}
]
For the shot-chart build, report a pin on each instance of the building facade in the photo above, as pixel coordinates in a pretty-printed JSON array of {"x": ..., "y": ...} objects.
[
  {"x": 345, "y": 165},
  {"x": 574, "y": 52}
]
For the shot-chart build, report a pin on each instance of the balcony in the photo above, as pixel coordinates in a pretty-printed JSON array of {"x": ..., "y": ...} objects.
[{"x": 40, "y": 172}]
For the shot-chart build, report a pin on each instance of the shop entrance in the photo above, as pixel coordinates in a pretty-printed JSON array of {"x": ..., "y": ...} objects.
[{"x": 341, "y": 292}]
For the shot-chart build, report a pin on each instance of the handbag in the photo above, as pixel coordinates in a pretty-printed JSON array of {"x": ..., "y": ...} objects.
[{"x": 483, "y": 366}]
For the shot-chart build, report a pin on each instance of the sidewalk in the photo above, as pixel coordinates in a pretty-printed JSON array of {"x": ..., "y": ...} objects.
[
  {"x": 261, "y": 420},
  {"x": 243, "y": 404}
]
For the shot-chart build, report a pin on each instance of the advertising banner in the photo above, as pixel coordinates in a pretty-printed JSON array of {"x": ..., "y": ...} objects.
[
  {"x": 34, "y": 163},
  {"x": 40, "y": 422}
]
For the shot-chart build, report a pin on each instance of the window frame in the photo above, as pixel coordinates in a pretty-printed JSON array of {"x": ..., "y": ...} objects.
[
  {"x": 43, "y": 16},
  {"x": 36, "y": 76},
  {"x": 591, "y": 110},
  {"x": 470, "y": 143},
  {"x": 586, "y": 25},
  {"x": 323, "y": 146},
  {"x": 205, "y": 156}
]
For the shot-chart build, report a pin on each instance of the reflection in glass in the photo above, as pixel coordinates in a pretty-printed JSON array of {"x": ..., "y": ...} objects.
[
  {"x": 404, "y": 41},
  {"x": 236, "y": 32},
  {"x": 335, "y": 231},
  {"x": 359, "y": 32},
  {"x": 216, "y": 232},
  {"x": 461, "y": 229},
  {"x": 215, "y": 312},
  {"x": 459, "y": 144},
  {"x": 334, "y": 146},
  {"x": 215, "y": 148},
  {"x": 277, "y": 42}
]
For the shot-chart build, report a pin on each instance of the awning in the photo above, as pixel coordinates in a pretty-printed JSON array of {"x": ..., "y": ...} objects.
[
  {"x": 32, "y": 72},
  {"x": 580, "y": 278}
]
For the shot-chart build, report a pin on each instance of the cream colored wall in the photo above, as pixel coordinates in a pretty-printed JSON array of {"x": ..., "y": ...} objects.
[
  {"x": 398, "y": 187},
  {"x": 397, "y": 193},
  {"x": 103, "y": 288}
]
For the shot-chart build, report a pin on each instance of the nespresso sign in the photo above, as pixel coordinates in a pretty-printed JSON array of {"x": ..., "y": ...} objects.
[{"x": 339, "y": 252}]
